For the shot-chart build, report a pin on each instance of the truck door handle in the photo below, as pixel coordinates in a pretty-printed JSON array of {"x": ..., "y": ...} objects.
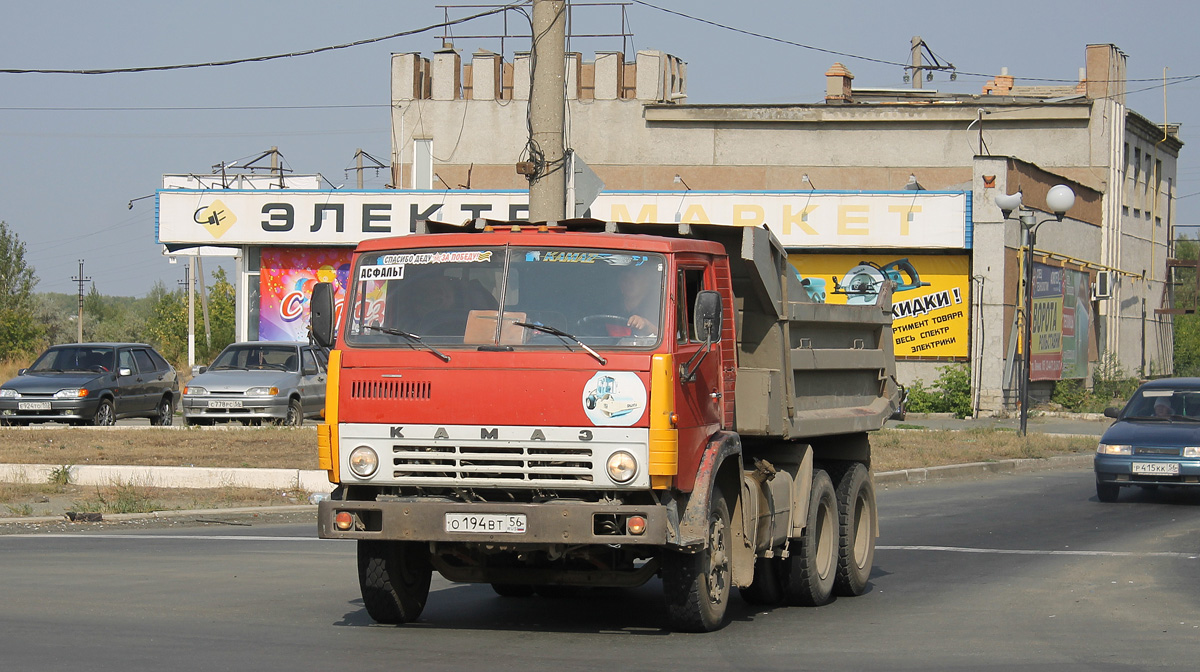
[{"x": 715, "y": 395}]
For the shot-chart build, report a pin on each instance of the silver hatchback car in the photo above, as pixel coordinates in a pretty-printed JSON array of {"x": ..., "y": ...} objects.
[{"x": 278, "y": 381}]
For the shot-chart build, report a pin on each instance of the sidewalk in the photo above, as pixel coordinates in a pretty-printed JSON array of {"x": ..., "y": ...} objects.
[{"x": 1079, "y": 424}]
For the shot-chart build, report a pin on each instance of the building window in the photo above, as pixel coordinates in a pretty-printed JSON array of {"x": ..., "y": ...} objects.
[
  {"x": 1124, "y": 210},
  {"x": 1137, "y": 164}
]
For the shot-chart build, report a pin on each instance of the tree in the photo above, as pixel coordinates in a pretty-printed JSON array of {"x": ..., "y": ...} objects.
[
  {"x": 1186, "y": 327},
  {"x": 166, "y": 327},
  {"x": 19, "y": 332}
]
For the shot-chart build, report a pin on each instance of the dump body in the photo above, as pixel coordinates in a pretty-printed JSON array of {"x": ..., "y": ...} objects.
[{"x": 595, "y": 403}]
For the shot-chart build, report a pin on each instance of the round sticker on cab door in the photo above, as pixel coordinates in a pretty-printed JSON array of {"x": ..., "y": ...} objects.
[{"x": 614, "y": 398}]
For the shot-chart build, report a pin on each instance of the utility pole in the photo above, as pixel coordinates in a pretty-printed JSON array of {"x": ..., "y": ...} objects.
[
  {"x": 80, "y": 279},
  {"x": 547, "y": 103},
  {"x": 204, "y": 302},
  {"x": 191, "y": 308},
  {"x": 917, "y": 62}
]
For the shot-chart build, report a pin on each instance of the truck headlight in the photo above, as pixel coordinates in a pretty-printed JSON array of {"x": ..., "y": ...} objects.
[
  {"x": 363, "y": 461},
  {"x": 1113, "y": 449},
  {"x": 622, "y": 467},
  {"x": 73, "y": 393}
]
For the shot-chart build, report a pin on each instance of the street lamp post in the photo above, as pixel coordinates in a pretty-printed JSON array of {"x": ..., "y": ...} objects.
[{"x": 1059, "y": 199}]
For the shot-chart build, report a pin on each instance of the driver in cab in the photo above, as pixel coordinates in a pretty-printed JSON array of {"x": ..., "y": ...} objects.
[{"x": 639, "y": 299}]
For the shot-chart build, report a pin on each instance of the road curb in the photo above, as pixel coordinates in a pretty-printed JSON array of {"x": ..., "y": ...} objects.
[
  {"x": 166, "y": 515},
  {"x": 982, "y": 468},
  {"x": 308, "y": 480}
]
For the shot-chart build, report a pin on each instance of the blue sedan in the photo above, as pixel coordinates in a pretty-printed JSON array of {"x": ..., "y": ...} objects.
[{"x": 1155, "y": 440}]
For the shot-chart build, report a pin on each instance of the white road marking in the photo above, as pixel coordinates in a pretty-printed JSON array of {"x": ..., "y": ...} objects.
[
  {"x": 1014, "y": 551},
  {"x": 153, "y": 537}
]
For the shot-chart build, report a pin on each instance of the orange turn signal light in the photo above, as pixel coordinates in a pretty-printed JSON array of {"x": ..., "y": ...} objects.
[
  {"x": 636, "y": 524},
  {"x": 344, "y": 520}
]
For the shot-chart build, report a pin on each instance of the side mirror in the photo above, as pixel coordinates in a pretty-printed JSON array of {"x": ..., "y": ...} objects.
[
  {"x": 707, "y": 316},
  {"x": 125, "y": 372},
  {"x": 1112, "y": 412},
  {"x": 21, "y": 372},
  {"x": 198, "y": 369},
  {"x": 321, "y": 314}
]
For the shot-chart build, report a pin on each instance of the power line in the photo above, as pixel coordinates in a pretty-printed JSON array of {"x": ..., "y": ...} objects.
[
  {"x": 870, "y": 59},
  {"x": 256, "y": 59},
  {"x": 194, "y": 109}
]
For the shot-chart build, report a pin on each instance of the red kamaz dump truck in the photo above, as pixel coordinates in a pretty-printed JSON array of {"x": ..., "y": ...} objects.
[{"x": 596, "y": 404}]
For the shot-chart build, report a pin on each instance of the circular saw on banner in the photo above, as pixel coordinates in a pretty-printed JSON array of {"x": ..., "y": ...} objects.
[{"x": 862, "y": 284}]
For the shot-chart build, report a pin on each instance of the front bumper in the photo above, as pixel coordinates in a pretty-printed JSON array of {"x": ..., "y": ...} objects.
[
  {"x": 252, "y": 408},
  {"x": 61, "y": 410},
  {"x": 1118, "y": 469},
  {"x": 547, "y": 523}
]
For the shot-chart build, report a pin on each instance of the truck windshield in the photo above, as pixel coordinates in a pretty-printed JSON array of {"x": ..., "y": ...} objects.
[{"x": 484, "y": 296}]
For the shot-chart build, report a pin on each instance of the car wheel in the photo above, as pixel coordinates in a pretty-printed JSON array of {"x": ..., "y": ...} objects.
[
  {"x": 106, "y": 414},
  {"x": 295, "y": 414},
  {"x": 166, "y": 413}
]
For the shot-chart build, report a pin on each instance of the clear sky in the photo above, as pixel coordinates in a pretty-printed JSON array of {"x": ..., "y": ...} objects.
[{"x": 77, "y": 148}]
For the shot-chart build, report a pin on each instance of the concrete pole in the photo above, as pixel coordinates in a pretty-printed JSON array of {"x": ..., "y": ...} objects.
[
  {"x": 191, "y": 283},
  {"x": 917, "y": 60},
  {"x": 204, "y": 302},
  {"x": 547, "y": 104}
]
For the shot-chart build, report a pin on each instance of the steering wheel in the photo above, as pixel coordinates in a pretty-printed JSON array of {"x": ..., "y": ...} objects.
[
  {"x": 98, "y": 368},
  {"x": 588, "y": 323}
]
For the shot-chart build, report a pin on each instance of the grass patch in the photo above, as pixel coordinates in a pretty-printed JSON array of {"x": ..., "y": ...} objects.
[
  {"x": 893, "y": 450},
  {"x": 119, "y": 498},
  {"x": 262, "y": 447}
]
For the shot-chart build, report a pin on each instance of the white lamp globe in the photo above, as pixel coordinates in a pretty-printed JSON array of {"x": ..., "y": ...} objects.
[{"x": 1060, "y": 198}]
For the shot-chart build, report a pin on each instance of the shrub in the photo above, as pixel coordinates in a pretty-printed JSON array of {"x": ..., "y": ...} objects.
[{"x": 951, "y": 393}]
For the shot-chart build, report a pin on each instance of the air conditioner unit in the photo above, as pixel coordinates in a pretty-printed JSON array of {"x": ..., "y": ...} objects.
[{"x": 1102, "y": 288}]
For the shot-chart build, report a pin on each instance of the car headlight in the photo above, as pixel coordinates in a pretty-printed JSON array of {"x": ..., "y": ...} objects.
[
  {"x": 1113, "y": 449},
  {"x": 622, "y": 467},
  {"x": 189, "y": 389},
  {"x": 1191, "y": 451},
  {"x": 8, "y": 394},
  {"x": 262, "y": 391},
  {"x": 73, "y": 393},
  {"x": 363, "y": 461}
]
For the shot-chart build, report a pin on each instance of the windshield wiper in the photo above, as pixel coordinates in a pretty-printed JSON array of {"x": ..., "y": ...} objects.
[
  {"x": 412, "y": 338},
  {"x": 562, "y": 336}
]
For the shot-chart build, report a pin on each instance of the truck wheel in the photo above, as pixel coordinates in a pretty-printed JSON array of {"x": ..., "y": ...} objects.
[
  {"x": 697, "y": 584},
  {"x": 512, "y": 589},
  {"x": 809, "y": 572},
  {"x": 856, "y": 531},
  {"x": 767, "y": 587},
  {"x": 394, "y": 579},
  {"x": 1107, "y": 492}
]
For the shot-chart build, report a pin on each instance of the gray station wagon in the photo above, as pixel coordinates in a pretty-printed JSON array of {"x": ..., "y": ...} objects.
[
  {"x": 277, "y": 381},
  {"x": 92, "y": 383}
]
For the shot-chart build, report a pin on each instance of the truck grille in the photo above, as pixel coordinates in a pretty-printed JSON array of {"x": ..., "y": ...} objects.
[
  {"x": 390, "y": 389},
  {"x": 491, "y": 465}
]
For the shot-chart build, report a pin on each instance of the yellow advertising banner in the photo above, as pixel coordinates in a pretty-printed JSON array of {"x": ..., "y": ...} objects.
[{"x": 931, "y": 305}]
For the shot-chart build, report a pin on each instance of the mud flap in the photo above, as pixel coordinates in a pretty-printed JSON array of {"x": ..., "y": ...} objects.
[{"x": 722, "y": 455}]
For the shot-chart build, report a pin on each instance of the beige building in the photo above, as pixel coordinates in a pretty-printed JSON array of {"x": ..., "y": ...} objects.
[{"x": 463, "y": 125}]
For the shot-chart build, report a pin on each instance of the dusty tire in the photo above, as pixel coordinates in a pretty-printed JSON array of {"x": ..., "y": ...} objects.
[
  {"x": 295, "y": 414},
  {"x": 1107, "y": 492},
  {"x": 512, "y": 589},
  {"x": 767, "y": 587},
  {"x": 106, "y": 414},
  {"x": 697, "y": 585},
  {"x": 856, "y": 531},
  {"x": 810, "y": 570},
  {"x": 394, "y": 579},
  {"x": 165, "y": 414}
]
